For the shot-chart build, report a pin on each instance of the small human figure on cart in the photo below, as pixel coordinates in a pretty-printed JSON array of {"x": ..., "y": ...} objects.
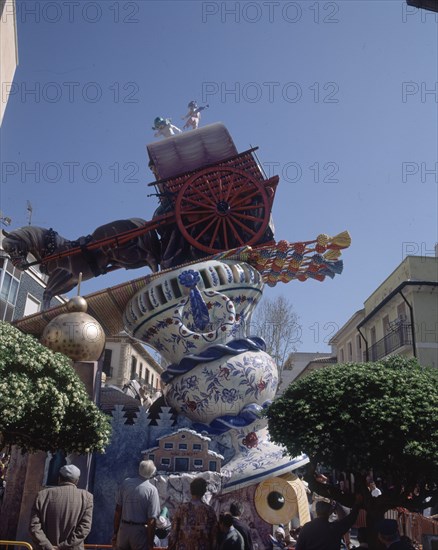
[
  {"x": 193, "y": 115},
  {"x": 164, "y": 127}
]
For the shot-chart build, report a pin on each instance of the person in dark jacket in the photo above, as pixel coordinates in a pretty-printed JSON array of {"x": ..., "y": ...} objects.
[
  {"x": 61, "y": 516},
  {"x": 320, "y": 533},
  {"x": 236, "y": 510},
  {"x": 389, "y": 536},
  {"x": 230, "y": 538}
]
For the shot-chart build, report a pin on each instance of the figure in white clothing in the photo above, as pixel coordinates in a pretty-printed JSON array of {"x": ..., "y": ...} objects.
[{"x": 164, "y": 127}]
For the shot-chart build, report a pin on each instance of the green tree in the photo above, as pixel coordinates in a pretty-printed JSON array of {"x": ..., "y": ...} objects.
[
  {"x": 358, "y": 417},
  {"x": 43, "y": 403}
]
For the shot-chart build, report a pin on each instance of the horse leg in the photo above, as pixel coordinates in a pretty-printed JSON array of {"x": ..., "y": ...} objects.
[{"x": 60, "y": 281}]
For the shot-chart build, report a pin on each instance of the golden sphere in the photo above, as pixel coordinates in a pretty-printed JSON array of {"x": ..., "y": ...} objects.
[
  {"x": 77, "y": 335},
  {"x": 77, "y": 303}
]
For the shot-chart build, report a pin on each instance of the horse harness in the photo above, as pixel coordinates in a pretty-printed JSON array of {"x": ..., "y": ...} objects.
[{"x": 88, "y": 255}]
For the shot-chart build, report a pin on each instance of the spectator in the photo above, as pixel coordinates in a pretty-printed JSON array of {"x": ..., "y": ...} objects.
[
  {"x": 61, "y": 516},
  {"x": 389, "y": 536},
  {"x": 137, "y": 508},
  {"x": 236, "y": 510},
  {"x": 320, "y": 534},
  {"x": 230, "y": 538},
  {"x": 194, "y": 523}
]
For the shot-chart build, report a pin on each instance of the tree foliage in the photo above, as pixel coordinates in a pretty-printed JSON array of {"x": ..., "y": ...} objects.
[
  {"x": 43, "y": 403},
  {"x": 277, "y": 323},
  {"x": 356, "y": 417}
]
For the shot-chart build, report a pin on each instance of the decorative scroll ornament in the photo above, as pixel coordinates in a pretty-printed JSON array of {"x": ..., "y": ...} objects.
[{"x": 190, "y": 279}]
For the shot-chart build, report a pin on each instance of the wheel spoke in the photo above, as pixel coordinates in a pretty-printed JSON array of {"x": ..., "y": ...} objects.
[
  {"x": 230, "y": 186},
  {"x": 198, "y": 203},
  {"x": 238, "y": 200},
  {"x": 206, "y": 228},
  {"x": 216, "y": 229},
  {"x": 201, "y": 194},
  {"x": 249, "y": 207},
  {"x": 200, "y": 211},
  {"x": 243, "y": 226},
  {"x": 224, "y": 225},
  {"x": 197, "y": 222},
  {"x": 248, "y": 217},
  {"x": 235, "y": 233},
  {"x": 213, "y": 192}
]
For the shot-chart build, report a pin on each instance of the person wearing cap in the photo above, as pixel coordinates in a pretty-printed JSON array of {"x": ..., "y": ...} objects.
[
  {"x": 61, "y": 516},
  {"x": 320, "y": 534},
  {"x": 389, "y": 536},
  {"x": 137, "y": 509}
]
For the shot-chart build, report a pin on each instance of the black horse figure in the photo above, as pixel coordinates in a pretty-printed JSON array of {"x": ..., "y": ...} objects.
[{"x": 63, "y": 273}]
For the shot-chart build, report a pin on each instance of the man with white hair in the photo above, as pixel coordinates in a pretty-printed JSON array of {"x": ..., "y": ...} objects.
[
  {"x": 61, "y": 516},
  {"x": 137, "y": 508}
]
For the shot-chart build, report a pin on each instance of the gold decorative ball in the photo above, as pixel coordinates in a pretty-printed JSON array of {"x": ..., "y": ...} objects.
[
  {"x": 77, "y": 303},
  {"x": 76, "y": 334}
]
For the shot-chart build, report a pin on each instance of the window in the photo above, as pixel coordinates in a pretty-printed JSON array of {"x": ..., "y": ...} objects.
[
  {"x": 152, "y": 457},
  {"x": 198, "y": 462},
  {"x": 385, "y": 324},
  {"x": 197, "y": 447},
  {"x": 182, "y": 446},
  {"x": 212, "y": 465},
  {"x": 146, "y": 376},
  {"x": 165, "y": 461},
  {"x": 9, "y": 289},
  {"x": 401, "y": 311},
  {"x": 181, "y": 464},
  {"x": 350, "y": 351},
  {"x": 106, "y": 367},
  {"x": 341, "y": 353},
  {"x": 54, "y": 463},
  {"x": 133, "y": 367},
  {"x": 168, "y": 445},
  {"x": 358, "y": 348},
  {"x": 31, "y": 306}
]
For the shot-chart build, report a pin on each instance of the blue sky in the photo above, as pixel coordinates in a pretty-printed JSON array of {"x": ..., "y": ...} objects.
[{"x": 339, "y": 96}]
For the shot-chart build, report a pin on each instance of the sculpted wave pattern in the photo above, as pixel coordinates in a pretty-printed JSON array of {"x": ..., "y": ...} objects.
[
  {"x": 234, "y": 347},
  {"x": 222, "y": 424}
]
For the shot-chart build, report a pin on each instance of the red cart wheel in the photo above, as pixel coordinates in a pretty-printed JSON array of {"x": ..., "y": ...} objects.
[{"x": 222, "y": 208}]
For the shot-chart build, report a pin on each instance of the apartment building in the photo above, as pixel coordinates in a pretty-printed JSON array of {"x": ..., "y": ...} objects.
[
  {"x": 126, "y": 359},
  {"x": 8, "y": 51},
  {"x": 399, "y": 317},
  {"x": 21, "y": 292}
]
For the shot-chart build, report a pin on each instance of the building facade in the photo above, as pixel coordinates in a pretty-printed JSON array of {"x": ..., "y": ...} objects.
[
  {"x": 184, "y": 451},
  {"x": 21, "y": 292},
  {"x": 399, "y": 317},
  {"x": 126, "y": 359},
  {"x": 8, "y": 51}
]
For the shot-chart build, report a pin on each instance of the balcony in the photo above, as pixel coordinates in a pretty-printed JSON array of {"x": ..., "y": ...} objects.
[{"x": 400, "y": 336}]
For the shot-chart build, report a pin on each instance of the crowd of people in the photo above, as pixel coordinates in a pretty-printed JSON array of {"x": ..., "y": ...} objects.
[{"x": 62, "y": 516}]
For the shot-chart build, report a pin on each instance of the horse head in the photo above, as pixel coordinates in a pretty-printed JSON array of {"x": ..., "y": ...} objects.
[
  {"x": 21, "y": 242},
  {"x": 16, "y": 247}
]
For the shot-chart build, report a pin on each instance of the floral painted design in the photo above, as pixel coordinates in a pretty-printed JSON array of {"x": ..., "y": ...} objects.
[{"x": 189, "y": 278}]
